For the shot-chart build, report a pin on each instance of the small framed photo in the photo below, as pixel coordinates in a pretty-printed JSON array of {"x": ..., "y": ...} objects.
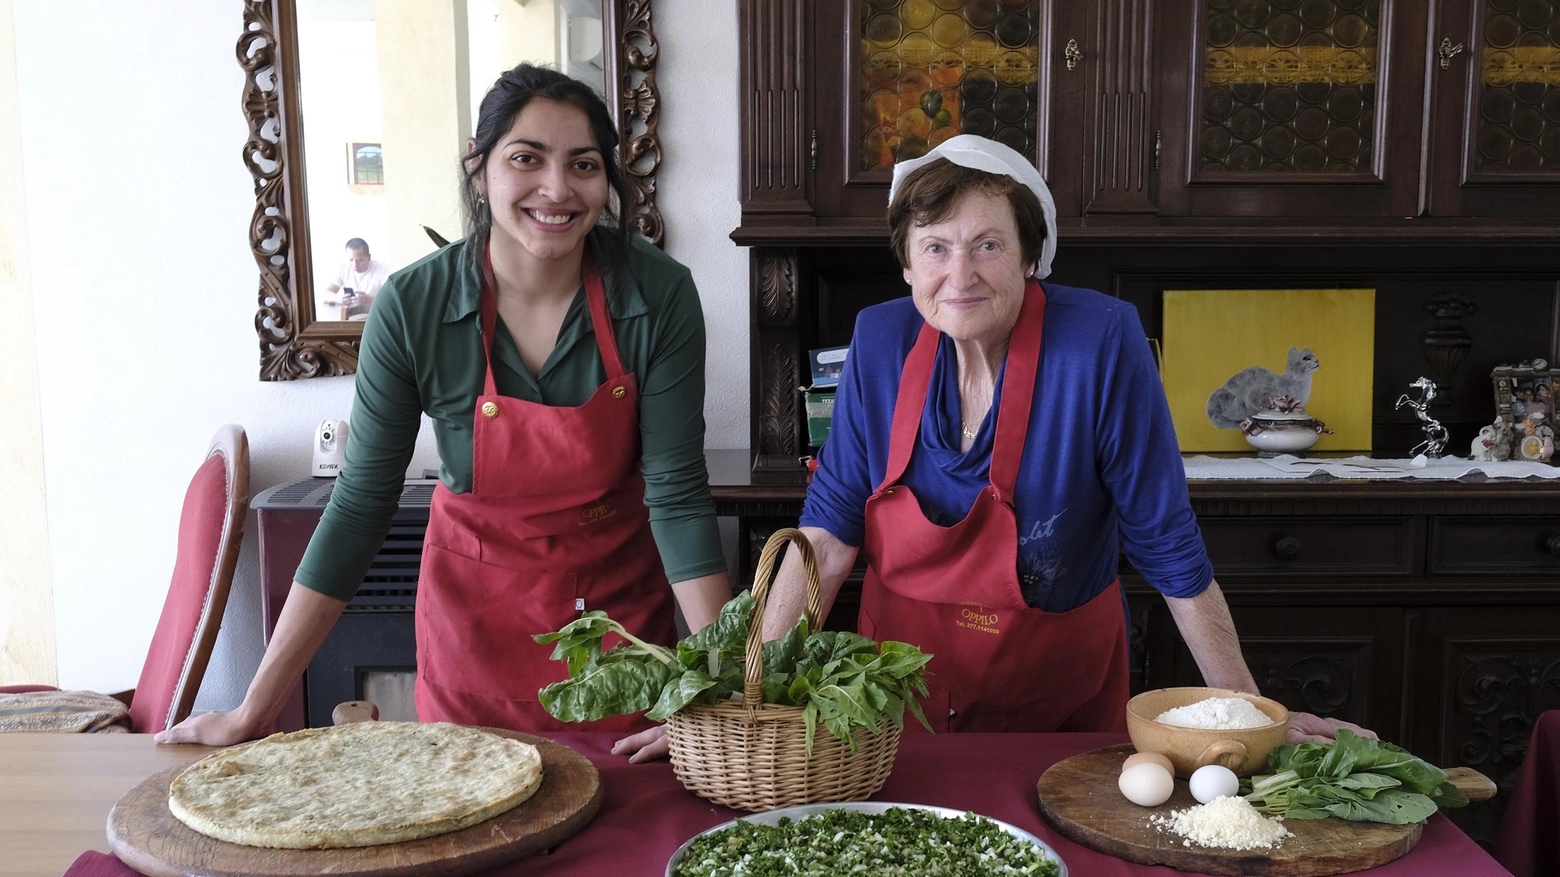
[{"x": 1525, "y": 410}]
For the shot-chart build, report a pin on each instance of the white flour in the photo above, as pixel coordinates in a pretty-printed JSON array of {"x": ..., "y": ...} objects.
[
  {"x": 1229, "y": 823},
  {"x": 1222, "y": 713}
]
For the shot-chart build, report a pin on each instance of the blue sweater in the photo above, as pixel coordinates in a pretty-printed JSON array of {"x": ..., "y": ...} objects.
[{"x": 1100, "y": 461}]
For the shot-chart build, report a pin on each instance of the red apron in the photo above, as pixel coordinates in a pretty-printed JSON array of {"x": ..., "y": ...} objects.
[
  {"x": 954, "y": 592},
  {"x": 555, "y": 524}
]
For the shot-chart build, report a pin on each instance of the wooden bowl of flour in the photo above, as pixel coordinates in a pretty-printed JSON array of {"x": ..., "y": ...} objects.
[{"x": 1242, "y": 750}]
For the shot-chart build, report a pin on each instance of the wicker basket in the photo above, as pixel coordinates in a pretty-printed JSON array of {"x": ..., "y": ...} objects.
[{"x": 753, "y": 755}]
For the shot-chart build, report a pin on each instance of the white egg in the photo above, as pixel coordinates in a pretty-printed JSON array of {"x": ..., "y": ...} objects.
[
  {"x": 1214, "y": 781},
  {"x": 1146, "y": 784}
]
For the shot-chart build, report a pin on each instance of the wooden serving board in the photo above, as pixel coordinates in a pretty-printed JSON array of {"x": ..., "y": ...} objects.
[
  {"x": 1080, "y": 797},
  {"x": 148, "y": 838}
]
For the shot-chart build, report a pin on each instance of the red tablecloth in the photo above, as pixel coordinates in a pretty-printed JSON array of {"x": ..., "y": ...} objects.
[
  {"x": 646, "y": 814},
  {"x": 1529, "y": 842}
]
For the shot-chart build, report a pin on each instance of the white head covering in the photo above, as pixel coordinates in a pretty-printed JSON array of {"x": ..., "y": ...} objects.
[{"x": 974, "y": 151}]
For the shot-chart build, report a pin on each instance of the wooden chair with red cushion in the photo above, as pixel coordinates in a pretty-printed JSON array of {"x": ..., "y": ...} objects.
[{"x": 211, "y": 528}]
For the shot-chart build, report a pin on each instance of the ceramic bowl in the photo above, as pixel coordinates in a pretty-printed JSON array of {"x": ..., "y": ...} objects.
[
  {"x": 1283, "y": 433},
  {"x": 1243, "y": 750}
]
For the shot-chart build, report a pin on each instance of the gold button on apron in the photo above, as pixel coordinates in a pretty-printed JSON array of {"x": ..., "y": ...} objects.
[
  {"x": 489, "y": 409},
  {"x": 619, "y": 392}
]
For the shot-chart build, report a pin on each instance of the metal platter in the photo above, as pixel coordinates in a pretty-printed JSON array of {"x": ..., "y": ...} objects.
[{"x": 773, "y": 817}]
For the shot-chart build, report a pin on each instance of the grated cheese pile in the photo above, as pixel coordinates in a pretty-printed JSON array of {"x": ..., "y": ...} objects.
[
  {"x": 1227, "y": 822},
  {"x": 1222, "y": 713}
]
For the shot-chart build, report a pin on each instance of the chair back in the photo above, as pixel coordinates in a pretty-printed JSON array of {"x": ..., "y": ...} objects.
[{"x": 211, "y": 528}]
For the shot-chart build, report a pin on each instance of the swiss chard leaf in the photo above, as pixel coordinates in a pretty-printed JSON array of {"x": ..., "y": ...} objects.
[
  {"x": 1392, "y": 806},
  {"x": 678, "y": 692},
  {"x": 726, "y": 635},
  {"x": 846, "y": 681},
  {"x": 579, "y": 641},
  {"x": 1448, "y": 795},
  {"x": 608, "y": 687},
  {"x": 1366, "y": 785},
  {"x": 781, "y": 655},
  {"x": 898, "y": 660},
  {"x": 1354, "y": 778}
]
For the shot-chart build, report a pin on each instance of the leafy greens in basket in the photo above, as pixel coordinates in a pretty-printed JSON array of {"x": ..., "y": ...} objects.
[
  {"x": 1356, "y": 778},
  {"x": 841, "y": 679}
]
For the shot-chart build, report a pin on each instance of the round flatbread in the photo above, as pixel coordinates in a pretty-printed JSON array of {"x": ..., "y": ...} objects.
[{"x": 355, "y": 785}]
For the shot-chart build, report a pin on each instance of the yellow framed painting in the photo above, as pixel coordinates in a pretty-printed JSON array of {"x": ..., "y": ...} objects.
[{"x": 1211, "y": 335}]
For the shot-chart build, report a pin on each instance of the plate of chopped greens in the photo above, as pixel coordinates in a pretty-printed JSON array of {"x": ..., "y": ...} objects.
[{"x": 875, "y": 838}]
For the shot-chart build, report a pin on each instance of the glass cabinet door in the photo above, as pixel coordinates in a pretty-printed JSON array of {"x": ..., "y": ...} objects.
[
  {"x": 1496, "y": 137},
  {"x": 1289, "y": 87},
  {"x": 1292, "y": 107},
  {"x": 926, "y": 70},
  {"x": 895, "y": 78}
]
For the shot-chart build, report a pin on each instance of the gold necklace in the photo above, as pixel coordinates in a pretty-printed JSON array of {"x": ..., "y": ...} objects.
[{"x": 967, "y": 433}]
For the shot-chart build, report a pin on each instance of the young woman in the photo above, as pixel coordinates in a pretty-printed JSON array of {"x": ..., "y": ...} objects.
[{"x": 561, "y": 361}]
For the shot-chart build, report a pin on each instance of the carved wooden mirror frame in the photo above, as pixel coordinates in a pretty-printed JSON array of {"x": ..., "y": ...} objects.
[{"x": 293, "y": 344}]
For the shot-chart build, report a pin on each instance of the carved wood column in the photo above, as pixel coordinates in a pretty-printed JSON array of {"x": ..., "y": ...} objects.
[
  {"x": 777, "y": 424},
  {"x": 1119, "y": 166},
  {"x": 772, "y": 56}
]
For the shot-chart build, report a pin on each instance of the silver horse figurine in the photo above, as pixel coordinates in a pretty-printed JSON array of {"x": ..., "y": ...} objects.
[{"x": 1435, "y": 433}]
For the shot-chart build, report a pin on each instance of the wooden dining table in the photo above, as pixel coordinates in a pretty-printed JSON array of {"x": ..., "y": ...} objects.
[{"x": 56, "y": 792}]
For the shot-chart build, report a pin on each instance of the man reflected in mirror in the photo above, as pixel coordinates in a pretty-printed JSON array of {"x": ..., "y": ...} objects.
[{"x": 359, "y": 279}]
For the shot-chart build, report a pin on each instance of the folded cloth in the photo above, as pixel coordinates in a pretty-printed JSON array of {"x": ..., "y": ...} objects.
[
  {"x": 1284, "y": 466},
  {"x": 65, "y": 712}
]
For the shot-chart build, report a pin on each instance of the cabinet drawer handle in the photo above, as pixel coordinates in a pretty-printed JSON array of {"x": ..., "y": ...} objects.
[
  {"x": 1553, "y": 544},
  {"x": 1287, "y": 548}
]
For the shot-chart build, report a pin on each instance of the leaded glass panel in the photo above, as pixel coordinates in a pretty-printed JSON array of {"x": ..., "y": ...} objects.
[
  {"x": 1289, "y": 85},
  {"x": 1519, "y": 91},
  {"x": 930, "y": 69}
]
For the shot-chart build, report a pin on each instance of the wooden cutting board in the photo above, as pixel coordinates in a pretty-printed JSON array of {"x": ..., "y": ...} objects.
[
  {"x": 1080, "y": 797},
  {"x": 147, "y": 837}
]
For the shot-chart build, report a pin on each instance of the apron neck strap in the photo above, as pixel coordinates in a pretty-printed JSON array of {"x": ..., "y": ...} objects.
[
  {"x": 595, "y": 298},
  {"x": 1018, "y": 391},
  {"x": 914, "y": 381}
]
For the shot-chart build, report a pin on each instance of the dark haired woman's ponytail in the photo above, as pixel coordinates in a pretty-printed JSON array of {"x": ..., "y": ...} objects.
[{"x": 496, "y": 115}]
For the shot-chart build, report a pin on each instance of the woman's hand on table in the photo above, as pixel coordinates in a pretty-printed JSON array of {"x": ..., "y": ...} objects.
[
  {"x": 213, "y": 729},
  {"x": 1306, "y": 728},
  {"x": 647, "y": 745}
]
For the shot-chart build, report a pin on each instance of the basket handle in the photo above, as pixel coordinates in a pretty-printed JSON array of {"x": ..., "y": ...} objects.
[{"x": 753, "y": 681}]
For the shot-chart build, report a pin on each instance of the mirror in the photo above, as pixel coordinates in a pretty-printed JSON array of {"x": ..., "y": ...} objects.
[{"x": 387, "y": 91}]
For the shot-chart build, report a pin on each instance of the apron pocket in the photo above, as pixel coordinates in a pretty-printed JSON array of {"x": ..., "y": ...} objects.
[
  {"x": 475, "y": 622},
  {"x": 935, "y": 706}
]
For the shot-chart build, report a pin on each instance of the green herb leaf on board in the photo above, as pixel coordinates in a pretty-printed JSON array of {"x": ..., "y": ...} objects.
[{"x": 1354, "y": 778}]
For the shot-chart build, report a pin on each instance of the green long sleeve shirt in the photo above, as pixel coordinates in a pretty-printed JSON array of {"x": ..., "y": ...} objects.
[{"x": 422, "y": 354}]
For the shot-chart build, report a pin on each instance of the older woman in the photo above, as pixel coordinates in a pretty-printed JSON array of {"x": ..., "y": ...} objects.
[{"x": 993, "y": 440}]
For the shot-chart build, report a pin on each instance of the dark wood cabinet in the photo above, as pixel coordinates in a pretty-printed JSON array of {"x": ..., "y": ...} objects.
[
  {"x": 1382, "y": 113},
  {"x": 1291, "y": 109},
  {"x": 1494, "y": 114}
]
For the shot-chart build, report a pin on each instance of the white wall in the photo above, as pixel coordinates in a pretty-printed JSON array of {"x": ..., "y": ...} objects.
[
  {"x": 26, "y": 601},
  {"x": 144, "y": 289},
  {"x": 698, "y": 190}
]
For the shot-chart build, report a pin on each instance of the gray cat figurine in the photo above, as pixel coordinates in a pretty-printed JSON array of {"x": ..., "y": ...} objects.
[{"x": 1250, "y": 390}]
